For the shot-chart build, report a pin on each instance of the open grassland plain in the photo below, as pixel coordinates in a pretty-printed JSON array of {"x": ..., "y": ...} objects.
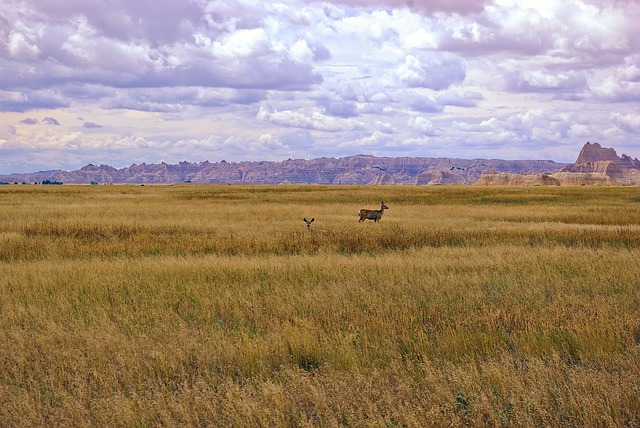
[{"x": 196, "y": 305}]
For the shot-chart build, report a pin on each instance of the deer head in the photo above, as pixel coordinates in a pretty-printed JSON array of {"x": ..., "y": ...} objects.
[{"x": 308, "y": 222}]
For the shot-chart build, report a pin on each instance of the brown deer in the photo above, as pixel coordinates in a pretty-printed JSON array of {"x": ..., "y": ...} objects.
[
  {"x": 308, "y": 223},
  {"x": 374, "y": 215}
]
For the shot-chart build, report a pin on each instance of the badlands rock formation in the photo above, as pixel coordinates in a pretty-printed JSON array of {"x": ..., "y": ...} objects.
[
  {"x": 603, "y": 165},
  {"x": 359, "y": 169},
  {"x": 596, "y": 153},
  {"x": 504, "y": 179},
  {"x": 595, "y": 165}
]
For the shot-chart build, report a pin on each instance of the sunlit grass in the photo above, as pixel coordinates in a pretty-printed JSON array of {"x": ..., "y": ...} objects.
[{"x": 213, "y": 305}]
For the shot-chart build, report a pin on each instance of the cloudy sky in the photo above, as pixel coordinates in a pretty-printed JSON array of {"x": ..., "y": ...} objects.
[{"x": 130, "y": 81}]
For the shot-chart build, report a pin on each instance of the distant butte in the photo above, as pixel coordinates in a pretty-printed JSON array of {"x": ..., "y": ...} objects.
[
  {"x": 596, "y": 153},
  {"x": 596, "y": 165}
]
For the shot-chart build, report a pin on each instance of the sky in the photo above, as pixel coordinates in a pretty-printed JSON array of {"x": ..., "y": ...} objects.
[{"x": 119, "y": 82}]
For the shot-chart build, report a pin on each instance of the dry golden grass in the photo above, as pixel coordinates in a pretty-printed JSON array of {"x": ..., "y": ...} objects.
[{"x": 214, "y": 306}]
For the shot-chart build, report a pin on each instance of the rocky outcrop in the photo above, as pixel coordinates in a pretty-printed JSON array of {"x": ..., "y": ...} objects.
[
  {"x": 556, "y": 179},
  {"x": 422, "y": 179},
  {"x": 629, "y": 162},
  {"x": 595, "y": 166},
  {"x": 631, "y": 177},
  {"x": 434, "y": 178},
  {"x": 594, "y": 153},
  {"x": 601, "y": 165},
  {"x": 612, "y": 169},
  {"x": 384, "y": 179},
  {"x": 504, "y": 179},
  {"x": 584, "y": 179}
]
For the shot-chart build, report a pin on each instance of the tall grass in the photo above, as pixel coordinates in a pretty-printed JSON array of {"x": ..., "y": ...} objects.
[{"x": 213, "y": 305}]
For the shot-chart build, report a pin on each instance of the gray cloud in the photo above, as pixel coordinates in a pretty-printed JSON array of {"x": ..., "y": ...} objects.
[
  {"x": 423, "y": 126},
  {"x": 158, "y": 23},
  {"x": 468, "y": 99},
  {"x": 180, "y": 98},
  {"x": 432, "y": 6},
  {"x": 146, "y": 44},
  {"x": 545, "y": 81},
  {"x": 51, "y": 121},
  {"x": 420, "y": 103},
  {"x": 344, "y": 109},
  {"x": 315, "y": 120},
  {"x": 25, "y": 100},
  {"x": 434, "y": 73}
]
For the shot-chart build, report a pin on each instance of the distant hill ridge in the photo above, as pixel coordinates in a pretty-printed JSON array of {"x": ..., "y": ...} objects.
[
  {"x": 595, "y": 165},
  {"x": 358, "y": 169}
]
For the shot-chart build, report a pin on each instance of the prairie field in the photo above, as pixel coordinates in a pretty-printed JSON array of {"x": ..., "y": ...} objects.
[{"x": 213, "y": 305}]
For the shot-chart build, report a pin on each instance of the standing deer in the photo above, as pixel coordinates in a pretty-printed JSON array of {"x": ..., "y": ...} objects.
[
  {"x": 308, "y": 223},
  {"x": 374, "y": 215}
]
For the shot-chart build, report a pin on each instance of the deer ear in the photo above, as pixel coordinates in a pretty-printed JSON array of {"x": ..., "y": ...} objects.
[
  {"x": 312, "y": 220},
  {"x": 305, "y": 219}
]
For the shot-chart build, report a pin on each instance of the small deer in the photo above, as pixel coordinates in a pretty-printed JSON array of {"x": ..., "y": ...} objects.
[
  {"x": 374, "y": 215},
  {"x": 308, "y": 223}
]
